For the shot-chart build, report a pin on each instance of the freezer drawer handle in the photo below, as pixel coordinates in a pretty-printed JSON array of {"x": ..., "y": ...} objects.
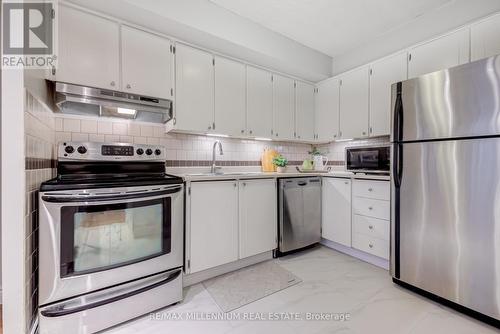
[{"x": 60, "y": 311}]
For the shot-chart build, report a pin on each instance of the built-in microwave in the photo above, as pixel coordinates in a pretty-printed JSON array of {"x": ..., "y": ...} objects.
[{"x": 368, "y": 159}]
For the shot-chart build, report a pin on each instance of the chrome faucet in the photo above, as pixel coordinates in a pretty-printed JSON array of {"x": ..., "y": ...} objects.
[{"x": 214, "y": 168}]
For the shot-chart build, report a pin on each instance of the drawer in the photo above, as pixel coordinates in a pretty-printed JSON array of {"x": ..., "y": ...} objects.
[
  {"x": 371, "y": 208},
  {"x": 371, "y": 245},
  {"x": 372, "y": 189},
  {"x": 373, "y": 227}
]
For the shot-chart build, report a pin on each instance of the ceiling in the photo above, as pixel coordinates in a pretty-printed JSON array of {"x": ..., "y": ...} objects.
[{"x": 333, "y": 27}]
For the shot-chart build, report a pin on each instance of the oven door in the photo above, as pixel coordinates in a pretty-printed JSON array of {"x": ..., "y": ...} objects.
[{"x": 91, "y": 240}]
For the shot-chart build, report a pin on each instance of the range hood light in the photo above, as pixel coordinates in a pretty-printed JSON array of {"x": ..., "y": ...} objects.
[
  {"x": 263, "y": 139},
  {"x": 216, "y": 135},
  {"x": 126, "y": 111},
  {"x": 341, "y": 140}
]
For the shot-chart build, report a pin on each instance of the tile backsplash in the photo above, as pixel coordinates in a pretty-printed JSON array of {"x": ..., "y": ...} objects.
[{"x": 335, "y": 151}]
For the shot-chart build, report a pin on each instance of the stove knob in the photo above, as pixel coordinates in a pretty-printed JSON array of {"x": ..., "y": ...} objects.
[
  {"x": 69, "y": 149},
  {"x": 82, "y": 149},
  {"x": 157, "y": 151},
  {"x": 140, "y": 151},
  {"x": 149, "y": 151}
]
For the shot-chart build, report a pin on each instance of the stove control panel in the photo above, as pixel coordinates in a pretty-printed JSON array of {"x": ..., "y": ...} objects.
[{"x": 110, "y": 151}]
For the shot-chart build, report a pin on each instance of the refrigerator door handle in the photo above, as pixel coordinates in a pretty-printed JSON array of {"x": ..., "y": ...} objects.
[{"x": 398, "y": 114}]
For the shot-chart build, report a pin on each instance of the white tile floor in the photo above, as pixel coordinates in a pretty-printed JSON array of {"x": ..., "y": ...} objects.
[{"x": 332, "y": 283}]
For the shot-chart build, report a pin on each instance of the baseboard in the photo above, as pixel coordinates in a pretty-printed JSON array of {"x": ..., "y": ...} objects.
[
  {"x": 191, "y": 279},
  {"x": 372, "y": 259}
]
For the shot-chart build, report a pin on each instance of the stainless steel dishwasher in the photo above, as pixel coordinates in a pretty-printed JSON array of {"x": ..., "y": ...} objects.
[{"x": 299, "y": 213}]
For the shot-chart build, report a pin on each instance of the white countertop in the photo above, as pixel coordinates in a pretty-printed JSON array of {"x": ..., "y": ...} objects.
[{"x": 254, "y": 172}]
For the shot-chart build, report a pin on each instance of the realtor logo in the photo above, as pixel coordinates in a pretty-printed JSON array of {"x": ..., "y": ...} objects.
[{"x": 28, "y": 34}]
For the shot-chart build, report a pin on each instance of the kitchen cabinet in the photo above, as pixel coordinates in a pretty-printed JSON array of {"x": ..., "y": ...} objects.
[
  {"x": 353, "y": 105},
  {"x": 304, "y": 111},
  {"x": 336, "y": 210},
  {"x": 259, "y": 103},
  {"x": 146, "y": 63},
  {"x": 89, "y": 52},
  {"x": 485, "y": 39},
  {"x": 213, "y": 224},
  {"x": 283, "y": 107},
  {"x": 230, "y": 98},
  {"x": 194, "y": 100},
  {"x": 257, "y": 216},
  {"x": 383, "y": 74},
  {"x": 326, "y": 108},
  {"x": 438, "y": 54}
]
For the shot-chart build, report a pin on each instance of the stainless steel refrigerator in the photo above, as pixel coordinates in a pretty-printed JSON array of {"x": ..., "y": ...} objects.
[{"x": 445, "y": 234}]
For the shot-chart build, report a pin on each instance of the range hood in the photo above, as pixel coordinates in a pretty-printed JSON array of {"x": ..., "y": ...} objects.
[{"x": 89, "y": 101}]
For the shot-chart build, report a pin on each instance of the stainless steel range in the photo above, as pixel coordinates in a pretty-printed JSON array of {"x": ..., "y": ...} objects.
[{"x": 110, "y": 237}]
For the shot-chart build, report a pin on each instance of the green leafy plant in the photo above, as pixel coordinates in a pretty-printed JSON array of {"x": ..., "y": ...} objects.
[
  {"x": 280, "y": 161},
  {"x": 315, "y": 151}
]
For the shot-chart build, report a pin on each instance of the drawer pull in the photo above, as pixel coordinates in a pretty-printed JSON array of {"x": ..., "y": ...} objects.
[
  {"x": 370, "y": 227},
  {"x": 370, "y": 189},
  {"x": 370, "y": 245},
  {"x": 370, "y": 208}
]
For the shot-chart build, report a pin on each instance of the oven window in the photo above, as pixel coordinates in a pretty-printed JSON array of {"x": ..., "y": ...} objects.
[{"x": 99, "y": 237}]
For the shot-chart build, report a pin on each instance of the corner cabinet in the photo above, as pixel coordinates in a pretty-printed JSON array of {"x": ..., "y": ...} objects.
[
  {"x": 485, "y": 39},
  {"x": 283, "y": 107},
  {"x": 336, "y": 210},
  {"x": 89, "y": 49},
  {"x": 230, "y": 99},
  {"x": 257, "y": 216},
  {"x": 194, "y": 100},
  {"x": 353, "y": 106},
  {"x": 382, "y": 75},
  {"x": 441, "y": 53},
  {"x": 213, "y": 228},
  {"x": 304, "y": 111},
  {"x": 259, "y": 103},
  {"x": 326, "y": 108}
]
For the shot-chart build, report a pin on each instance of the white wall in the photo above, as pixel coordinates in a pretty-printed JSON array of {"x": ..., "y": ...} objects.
[
  {"x": 454, "y": 14},
  {"x": 203, "y": 23}
]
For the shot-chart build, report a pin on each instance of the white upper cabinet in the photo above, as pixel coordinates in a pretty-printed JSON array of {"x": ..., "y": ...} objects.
[
  {"x": 354, "y": 88},
  {"x": 258, "y": 216},
  {"x": 146, "y": 63},
  {"x": 214, "y": 224},
  {"x": 444, "y": 52},
  {"x": 194, "y": 101},
  {"x": 382, "y": 75},
  {"x": 283, "y": 107},
  {"x": 327, "y": 110},
  {"x": 259, "y": 103},
  {"x": 304, "y": 111},
  {"x": 485, "y": 38},
  {"x": 89, "y": 52},
  {"x": 230, "y": 99}
]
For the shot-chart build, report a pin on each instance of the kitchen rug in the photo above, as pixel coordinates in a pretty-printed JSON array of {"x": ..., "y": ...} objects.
[{"x": 244, "y": 286}]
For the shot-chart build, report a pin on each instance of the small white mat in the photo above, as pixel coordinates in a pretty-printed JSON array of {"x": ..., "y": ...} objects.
[{"x": 246, "y": 285}]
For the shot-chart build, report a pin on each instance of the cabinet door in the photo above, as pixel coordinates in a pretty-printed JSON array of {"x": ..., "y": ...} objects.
[
  {"x": 304, "y": 111},
  {"x": 382, "y": 75},
  {"x": 283, "y": 107},
  {"x": 230, "y": 104},
  {"x": 214, "y": 224},
  {"x": 327, "y": 110},
  {"x": 447, "y": 51},
  {"x": 259, "y": 103},
  {"x": 485, "y": 39},
  {"x": 336, "y": 207},
  {"x": 89, "y": 52},
  {"x": 194, "y": 101},
  {"x": 146, "y": 63},
  {"x": 354, "y": 103},
  {"x": 258, "y": 217}
]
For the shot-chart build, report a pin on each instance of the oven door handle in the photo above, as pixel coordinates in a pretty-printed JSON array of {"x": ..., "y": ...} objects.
[
  {"x": 65, "y": 308},
  {"x": 54, "y": 198}
]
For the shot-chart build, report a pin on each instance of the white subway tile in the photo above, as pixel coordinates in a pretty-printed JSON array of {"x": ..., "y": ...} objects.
[
  {"x": 134, "y": 129},
  {"x": 171, "y": 154},
  {"x": 58, "y": 124},
  {"x": 146, "y": 131},
  {"x": 89, "y": 126},
  {"x": 126, "y": 139},
  {"x": 75, "y": 136},
  {"x": 158, "y": 131},
  {"x": 119, "y": 128},
  {"x": 111, "y": 138},
  {"x": 71, "y": 125},
  {"x": 153, "y": 141},
  {"x": 96, "y": 138},
  {"x": 140, "y": 140},
  {"x": 63, "y": 136},
  {"x": 104, "y": 127}
]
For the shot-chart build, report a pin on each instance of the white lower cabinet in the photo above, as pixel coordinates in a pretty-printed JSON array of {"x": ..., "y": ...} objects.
[
  {"x": 213, "y": 224},
  {"x": 230, "y": 220},
  {"x": 336, "y": 210},
  {"x": 257, "y": 216}
]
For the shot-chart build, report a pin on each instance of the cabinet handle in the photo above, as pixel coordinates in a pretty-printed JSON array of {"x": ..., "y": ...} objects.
[
  {"x": 128, "y": 86},
  {"x": 335, "y": 136},
  {"x": 371, "y": 129},
  {"x": 370, "y": 245},
  {"x": 234, "y": 185},
  {"x": 251, "y": 131},
  {"x": 244, "y": 184},
  {"x": 370, "y": 189},
  {"x": 210, "y": 127},
  {"x": 242, "y": 131},
  {"x": 364, "y": 133},
  {"x": 370, "y": 227},
  {"x": 276, "y": 134},
  {"x": 370, "y": 208},
  {"x": 112, "y": 83},
  {"x": 346, "y": 182}
]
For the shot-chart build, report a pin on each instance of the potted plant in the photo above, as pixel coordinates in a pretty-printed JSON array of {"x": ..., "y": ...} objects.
[{"x": 280, "y": 162}]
